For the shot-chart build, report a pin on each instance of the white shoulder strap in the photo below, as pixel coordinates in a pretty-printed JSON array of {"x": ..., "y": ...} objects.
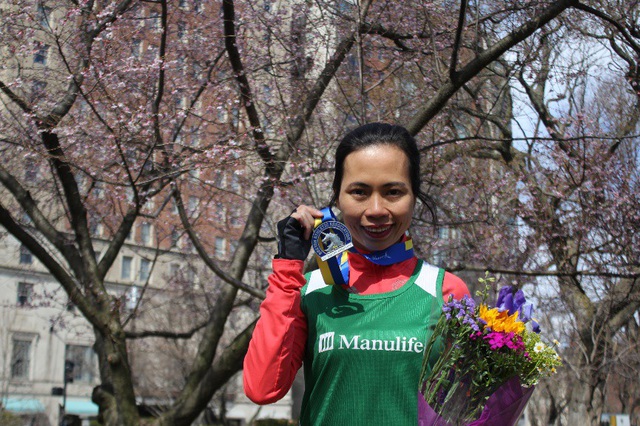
[
  {"x": 315, "y": 281},
  {"x": 427, "y": 279}
]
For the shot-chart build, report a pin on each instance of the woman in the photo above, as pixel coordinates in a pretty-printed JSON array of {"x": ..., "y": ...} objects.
[{"x": 361, "y": 342}]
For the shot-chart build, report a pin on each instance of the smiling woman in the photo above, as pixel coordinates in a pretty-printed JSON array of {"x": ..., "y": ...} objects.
[
  {"x": 376, "y": 202},
  {"x": 360, "y": 340}
]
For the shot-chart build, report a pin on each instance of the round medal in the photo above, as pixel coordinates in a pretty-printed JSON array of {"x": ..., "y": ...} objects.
[{"x": 331, "y": 238}]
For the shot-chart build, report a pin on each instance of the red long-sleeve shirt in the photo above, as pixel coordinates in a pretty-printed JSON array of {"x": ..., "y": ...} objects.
[{"x": 277, "y": 347}]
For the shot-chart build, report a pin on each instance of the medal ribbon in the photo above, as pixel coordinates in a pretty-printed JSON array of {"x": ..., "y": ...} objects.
[{"x": 335, "y": 270}]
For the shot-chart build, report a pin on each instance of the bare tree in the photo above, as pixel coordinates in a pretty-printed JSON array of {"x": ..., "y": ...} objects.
[{"x": 129, "y": 110}]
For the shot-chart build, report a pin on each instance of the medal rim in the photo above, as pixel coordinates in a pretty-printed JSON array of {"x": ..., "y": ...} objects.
[{"x": 348, "y": 242}]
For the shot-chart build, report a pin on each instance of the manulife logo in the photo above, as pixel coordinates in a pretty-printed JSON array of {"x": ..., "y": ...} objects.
[{"x": 327, "y": 342}]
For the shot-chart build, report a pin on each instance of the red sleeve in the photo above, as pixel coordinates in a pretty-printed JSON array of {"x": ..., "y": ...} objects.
[
  {"x": 454, "y": 285},
  {"x": 277, "y": 346}
]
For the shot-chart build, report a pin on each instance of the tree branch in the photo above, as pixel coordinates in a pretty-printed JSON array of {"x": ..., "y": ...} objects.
[
  {"x": 56, "y": 269},
  {"x": 246, "y": 97},
  {"x": 163, "y": 333},
  {"x": 466, "y": 73},
  {"x": 202, "y": 252},
  {"x": 39, "y": 220},
  {"x": 462, "y": 267},
  {"x": 456, "y": 43}
]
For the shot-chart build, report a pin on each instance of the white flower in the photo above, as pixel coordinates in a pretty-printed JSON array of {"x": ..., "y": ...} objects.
[{"x": 538, "y": 347}]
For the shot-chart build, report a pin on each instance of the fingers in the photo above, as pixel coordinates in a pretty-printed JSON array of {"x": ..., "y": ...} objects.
[{"x": 306, "y": 216}]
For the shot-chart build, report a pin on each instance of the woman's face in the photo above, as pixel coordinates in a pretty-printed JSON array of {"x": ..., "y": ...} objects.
[{"x": 376, "y": 198}]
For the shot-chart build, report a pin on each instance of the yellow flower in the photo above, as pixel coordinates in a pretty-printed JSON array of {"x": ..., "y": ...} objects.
[{"x": 501, "y": 321}]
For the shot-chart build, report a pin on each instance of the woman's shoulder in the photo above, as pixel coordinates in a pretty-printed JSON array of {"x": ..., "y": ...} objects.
[
  {"x": 451, "y": 283},
  {"x": 454, "y": 285}
]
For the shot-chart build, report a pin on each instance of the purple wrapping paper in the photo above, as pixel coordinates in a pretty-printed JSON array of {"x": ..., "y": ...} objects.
[{"x": 503, "y": 408}]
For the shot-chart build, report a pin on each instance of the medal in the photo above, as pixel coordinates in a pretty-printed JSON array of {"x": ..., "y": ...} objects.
[{"x": 331, "y": 240}]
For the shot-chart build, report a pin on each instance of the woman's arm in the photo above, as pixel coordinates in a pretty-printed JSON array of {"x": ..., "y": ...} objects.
[
  {"x": 277, "y": 347},
  {"x": 452, "y": 284}
]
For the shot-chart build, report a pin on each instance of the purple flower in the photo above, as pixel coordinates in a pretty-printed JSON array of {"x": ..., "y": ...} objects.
[
  {"x": 463, "y": 311},
  {"x": 511, "y": 301},
  {"x": 475, "y": 335},
  {"x": 516, "y": 343},
  {"x": 497, "y": 340}
]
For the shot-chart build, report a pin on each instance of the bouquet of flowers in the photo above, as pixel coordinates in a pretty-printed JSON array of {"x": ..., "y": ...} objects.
[{"x": 481, "y": 364}]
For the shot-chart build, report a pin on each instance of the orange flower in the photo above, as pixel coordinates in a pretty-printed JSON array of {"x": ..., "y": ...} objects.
[{"x": 501, "y": 321}]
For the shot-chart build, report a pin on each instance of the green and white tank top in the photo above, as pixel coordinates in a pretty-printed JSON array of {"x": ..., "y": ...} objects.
[{"x": 364, "y": 352}]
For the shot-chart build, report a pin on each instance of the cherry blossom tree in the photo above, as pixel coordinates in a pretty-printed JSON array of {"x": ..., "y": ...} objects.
[{"x": 211, "y": 119}]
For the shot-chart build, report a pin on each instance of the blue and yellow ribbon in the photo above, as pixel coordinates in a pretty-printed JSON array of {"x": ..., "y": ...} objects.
[{"x": 335, "y": 270}]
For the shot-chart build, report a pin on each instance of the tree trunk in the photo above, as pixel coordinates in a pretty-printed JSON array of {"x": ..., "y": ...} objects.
[
  {"x": 115, "y": 395},
  {"x": 584, "y": 404}
]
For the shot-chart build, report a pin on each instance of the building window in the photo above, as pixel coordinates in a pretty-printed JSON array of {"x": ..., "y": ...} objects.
[
  {"x": 125, "y": 271},
  {"x": 182, "y": 30},
  {"x": 25, "y": 294},
  {"x": 219, "y": 179},
  {"x": 98, "y": 189},
  {"x": 132, "y": 297},
  {"x": 26, "y": 258},
  {"x": 150, "y": 203},
  {"x": 41, "y": 55},
  {"x": 37, "y": 90},
  {"x": 221, "y": 212},
  {"x": 145, "y": 233},
  {"x": 235, "y": 182},
  {"x": 20, "y": 359},
  {"x": 193, "y": 204},
  {"x": 156, "y": 21},
  {"x": 180, "y": 100},
  {"x": 194, "y": 173},
  {"x": 221, "y": 247},
  {"x": 30, "y": 171},
  {"x": 174, "y": 270},
  {"x": 145, "y": 270},
  {"x": 43, "y": 16},
  {"x": 222, "y": 114},
  {"x": 187, "y": 244},
  {"x": 175, "y": 238},
  {"x": 152, "y": 53},
  {"x": 95, "y": 227},
  {"x": 236, "y": 218},
  {"x": 84, "y": 363},
  {"x": 136, "y": 48},
  {"x": 195, "y": 137},
  {"x": 235, "y": 116},
  {"x": 191, "y": 276}
]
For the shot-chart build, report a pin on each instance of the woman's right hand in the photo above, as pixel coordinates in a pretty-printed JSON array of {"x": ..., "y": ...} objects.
[{"x": 294, "y": 233}]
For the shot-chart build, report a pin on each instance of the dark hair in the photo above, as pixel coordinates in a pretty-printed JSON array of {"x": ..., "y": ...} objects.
[{"x": 382, "y": 134}]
